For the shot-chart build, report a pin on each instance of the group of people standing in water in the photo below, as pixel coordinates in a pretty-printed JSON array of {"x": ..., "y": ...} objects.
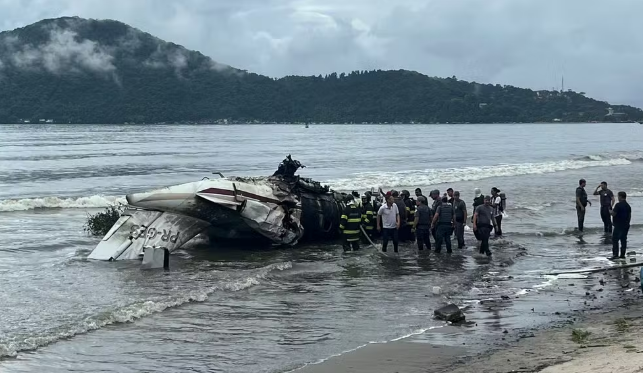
[
  {"x": 397, "y": 217},
  {"x": 616, "y": 216}
]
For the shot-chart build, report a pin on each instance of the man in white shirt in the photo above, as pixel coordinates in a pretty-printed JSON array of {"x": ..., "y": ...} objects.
[{"x": 388, "y": 223}]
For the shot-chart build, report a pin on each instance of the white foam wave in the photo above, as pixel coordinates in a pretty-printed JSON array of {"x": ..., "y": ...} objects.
[
  {"x": 130, "y": 313},
  {"x": 320, "y": 361},
  {"x": 25, "y": 204},
  {"x": 551, "y": 279},
  {"x": 366, "y": 180}
]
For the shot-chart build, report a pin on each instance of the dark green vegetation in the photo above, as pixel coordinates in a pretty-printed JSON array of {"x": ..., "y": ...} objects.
[
  {"x": 73, "y": 70},
  {"x": 580, "y": 336},
  {"x": 101, "y": 222}
]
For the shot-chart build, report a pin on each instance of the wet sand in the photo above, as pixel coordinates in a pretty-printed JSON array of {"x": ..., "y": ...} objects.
[{"x": 614, "y": 342}]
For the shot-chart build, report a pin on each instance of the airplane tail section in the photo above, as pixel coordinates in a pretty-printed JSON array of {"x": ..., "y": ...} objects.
[{"x": 140, "y": 229}]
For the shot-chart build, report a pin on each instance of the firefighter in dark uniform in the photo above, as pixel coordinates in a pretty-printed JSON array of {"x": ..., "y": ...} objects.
[
  {"x": 349, "y": 225},
  {"x": 375, "y": 206},
  {"x": 410, "y": 213},
  {"x": 368, "y": 217}
]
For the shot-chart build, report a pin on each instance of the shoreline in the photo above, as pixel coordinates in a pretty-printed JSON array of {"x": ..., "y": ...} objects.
[
  {"x": 189, "y": 123},
  {"x": 560, "y": 346}
]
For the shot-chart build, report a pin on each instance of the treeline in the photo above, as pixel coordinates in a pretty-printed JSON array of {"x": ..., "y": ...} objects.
[{"x": 147, "y": 80}]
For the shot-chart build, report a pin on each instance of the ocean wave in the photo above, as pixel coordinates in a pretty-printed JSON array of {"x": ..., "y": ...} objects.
[
  {"x": 10, "y": 347},
  {"x": 410, "y": 178},
  {"x": 630, "y": 156},
  {"x": 25, "y": 204}
]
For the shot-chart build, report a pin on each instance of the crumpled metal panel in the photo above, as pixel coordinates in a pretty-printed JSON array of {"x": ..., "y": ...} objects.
[{"x": 269, "y": 221}]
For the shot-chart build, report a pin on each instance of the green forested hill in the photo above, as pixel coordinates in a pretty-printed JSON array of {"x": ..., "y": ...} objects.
[{"x": 75, "y": 70}]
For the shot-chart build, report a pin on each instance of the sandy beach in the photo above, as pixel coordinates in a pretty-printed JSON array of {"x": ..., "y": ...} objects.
[{"x": 603, "y": 340}]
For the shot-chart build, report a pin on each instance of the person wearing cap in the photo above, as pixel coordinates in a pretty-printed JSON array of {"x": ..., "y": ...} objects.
[
  {"x": 349, "y": 225},
  {"x": 483, "y": 221},
  {"x": 607, "y": 203},
  {"x": 581, "y": 203},
  {"x": 478, "y": 200},
  {"x": 443, "y": 220},
  {"x": 460, "y": 208},
  {"x": 389, "y": 223},
  {"x": 496, "y": 203},
  {"x": 423, "y": 223}
]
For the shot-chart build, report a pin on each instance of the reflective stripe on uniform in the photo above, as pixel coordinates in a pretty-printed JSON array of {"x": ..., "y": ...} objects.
[{"x": 351, "y": 232}]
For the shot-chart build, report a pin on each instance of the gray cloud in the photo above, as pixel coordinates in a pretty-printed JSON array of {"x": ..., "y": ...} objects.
[
  {"x": 596, "y": 45},
  {"x": 59, "y": 54}
]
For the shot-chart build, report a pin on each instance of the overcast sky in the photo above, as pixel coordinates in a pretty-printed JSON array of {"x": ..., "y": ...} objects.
[{"x": 596, "y": 44}]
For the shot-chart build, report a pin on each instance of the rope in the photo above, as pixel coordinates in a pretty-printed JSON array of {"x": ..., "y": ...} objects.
[{"x": 368, "y": 238}]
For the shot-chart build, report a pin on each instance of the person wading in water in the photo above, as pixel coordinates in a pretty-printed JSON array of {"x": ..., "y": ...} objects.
[
  {"x": 581, "y": 203},
  {"x": 607, "y": 203},
  {"x": 389, "y": 223},
  {"x": 622, "y": 213},
  {"x": 483, "y": 221}
]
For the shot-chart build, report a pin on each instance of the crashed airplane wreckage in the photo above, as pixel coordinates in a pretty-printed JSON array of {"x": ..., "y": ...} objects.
[{"x": 283, "y": 209}]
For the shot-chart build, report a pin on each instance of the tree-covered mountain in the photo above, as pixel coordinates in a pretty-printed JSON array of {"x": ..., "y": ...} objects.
[{"x": 75, "y": 70}]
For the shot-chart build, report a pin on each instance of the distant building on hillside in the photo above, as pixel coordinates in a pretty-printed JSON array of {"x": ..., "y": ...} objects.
[{"x": 612, "y": 116}]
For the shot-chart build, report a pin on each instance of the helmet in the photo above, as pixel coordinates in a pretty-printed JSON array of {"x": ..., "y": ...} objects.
[{"x": 406, "y": 193}]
